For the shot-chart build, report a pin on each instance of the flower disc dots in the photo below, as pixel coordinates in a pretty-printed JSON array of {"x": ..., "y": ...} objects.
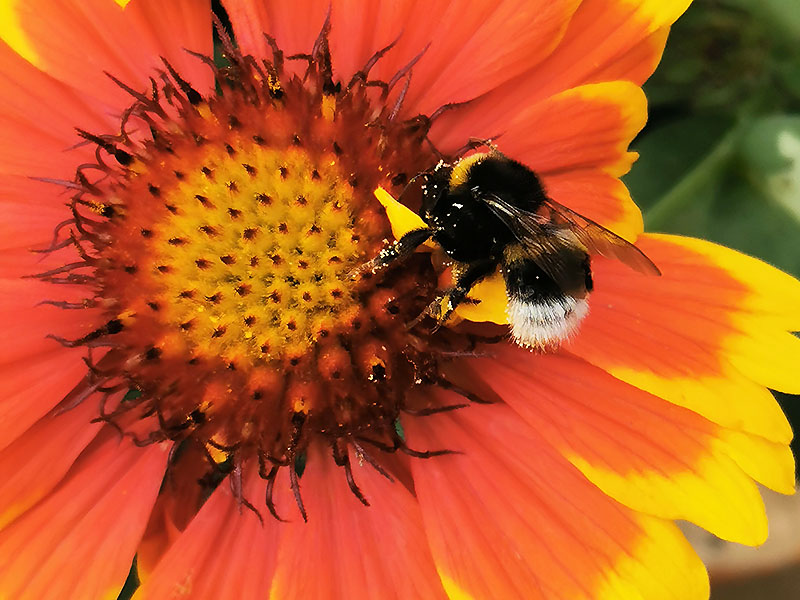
[{"x": 247, "y": 257}]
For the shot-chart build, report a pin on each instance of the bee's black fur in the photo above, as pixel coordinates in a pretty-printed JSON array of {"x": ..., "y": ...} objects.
[{"x": 466, "y": 228}]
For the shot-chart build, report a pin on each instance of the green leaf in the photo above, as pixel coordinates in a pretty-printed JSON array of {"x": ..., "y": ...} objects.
[
  {"x": 131, "y": 394},
  {"x": 741, "y": 217},
  {"x": 398, "y": 427},
  {"x": 770, "y": 151},
  {"x": 699, "y": 184},
  {"x": 678, "y": 168},
  {"x": 300, "y": 463}
]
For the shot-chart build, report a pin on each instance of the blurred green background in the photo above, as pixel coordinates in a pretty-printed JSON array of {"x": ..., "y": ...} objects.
[{"x": 720, "y": 159}]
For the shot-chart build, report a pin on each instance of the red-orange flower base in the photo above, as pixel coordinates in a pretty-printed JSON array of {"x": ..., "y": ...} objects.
[{"x": 188, "y": 349}]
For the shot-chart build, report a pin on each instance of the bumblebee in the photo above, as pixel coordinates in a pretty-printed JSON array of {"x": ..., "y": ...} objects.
[{"x": 487, "y": 211}]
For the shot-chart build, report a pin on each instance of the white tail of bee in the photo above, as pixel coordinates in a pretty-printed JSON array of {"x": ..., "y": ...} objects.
[{"x": 547, "y": 323}]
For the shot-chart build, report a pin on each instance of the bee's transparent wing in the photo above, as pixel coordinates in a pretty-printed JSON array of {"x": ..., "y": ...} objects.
[
  {"x": 596, "y": 238},
  {"x": 544, "y": 243},
  {"x": 600, "y": 240}
]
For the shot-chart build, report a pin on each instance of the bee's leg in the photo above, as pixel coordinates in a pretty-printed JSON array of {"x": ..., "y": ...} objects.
[
  {"x": 458, "y": 294},
  {"x": 398, "y": 251},
  {"x": 444, "y": 306}
]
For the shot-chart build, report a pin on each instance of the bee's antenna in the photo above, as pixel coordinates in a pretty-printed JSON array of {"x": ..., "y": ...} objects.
[{"x": 411, "y": 181}]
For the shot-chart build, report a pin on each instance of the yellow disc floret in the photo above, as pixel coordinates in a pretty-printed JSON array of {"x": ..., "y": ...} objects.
[{"x": 254, "y": 255}]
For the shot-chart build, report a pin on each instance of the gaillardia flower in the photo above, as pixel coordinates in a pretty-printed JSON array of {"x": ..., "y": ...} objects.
[{"x": 199, "y": 373}]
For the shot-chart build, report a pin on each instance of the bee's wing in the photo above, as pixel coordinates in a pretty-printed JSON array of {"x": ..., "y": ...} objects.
[
  {"x": 600, "y": 240},
  {"x": 543, "y": 241},
  {"x": 596, "y": 238}
]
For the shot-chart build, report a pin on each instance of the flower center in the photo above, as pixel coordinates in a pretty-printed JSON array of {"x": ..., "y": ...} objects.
[
  {"x": 246, "y": 253},
  {"x": 222, "y": 248}
]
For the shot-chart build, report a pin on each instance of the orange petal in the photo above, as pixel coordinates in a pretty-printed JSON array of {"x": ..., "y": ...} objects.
[
  {"x": 31, "y": 210},
  {"x": 25, "y": 92},
  {"x": 587, "y": 127},
  {"x": 76, "y": 43},
  {"x": 179, "y": 500},
  {"x": 224, "y": 553},
  {"x": 358, "y": 30},
  {"x": 294, "y": 26},
  {"x": 643, "y": 451},
  {"x": 476, "y": 46},
  {"x": 28, "y": 322},
  {"x": 29, "y": 388},
  {"x": 28, "y": 325},
  {"x": 606, "y": 40},
  {"x": 508, "y": 517},
  {"x": 380, "y": 550},
  {"x": 635, "y": 64},
  {"x": 30, "y": 147},
  {"x": 94, "y": 518},
  {"x": 35, "y": 462},
  {"x": 598, "y": 196},
  {"x": 708, "y": 334},
  {"x": 584, "y": 127},
  {"x": 471, "y": 47},
  {"x": 169, "y": 29},
  {"x": 577, "y": 141}
]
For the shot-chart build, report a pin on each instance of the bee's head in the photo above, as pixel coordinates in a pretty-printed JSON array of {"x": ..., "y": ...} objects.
[{"x": 427, "y": 189}]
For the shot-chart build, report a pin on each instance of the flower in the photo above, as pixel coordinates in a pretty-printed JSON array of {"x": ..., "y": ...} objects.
[{"x": 191, "y": 354}]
